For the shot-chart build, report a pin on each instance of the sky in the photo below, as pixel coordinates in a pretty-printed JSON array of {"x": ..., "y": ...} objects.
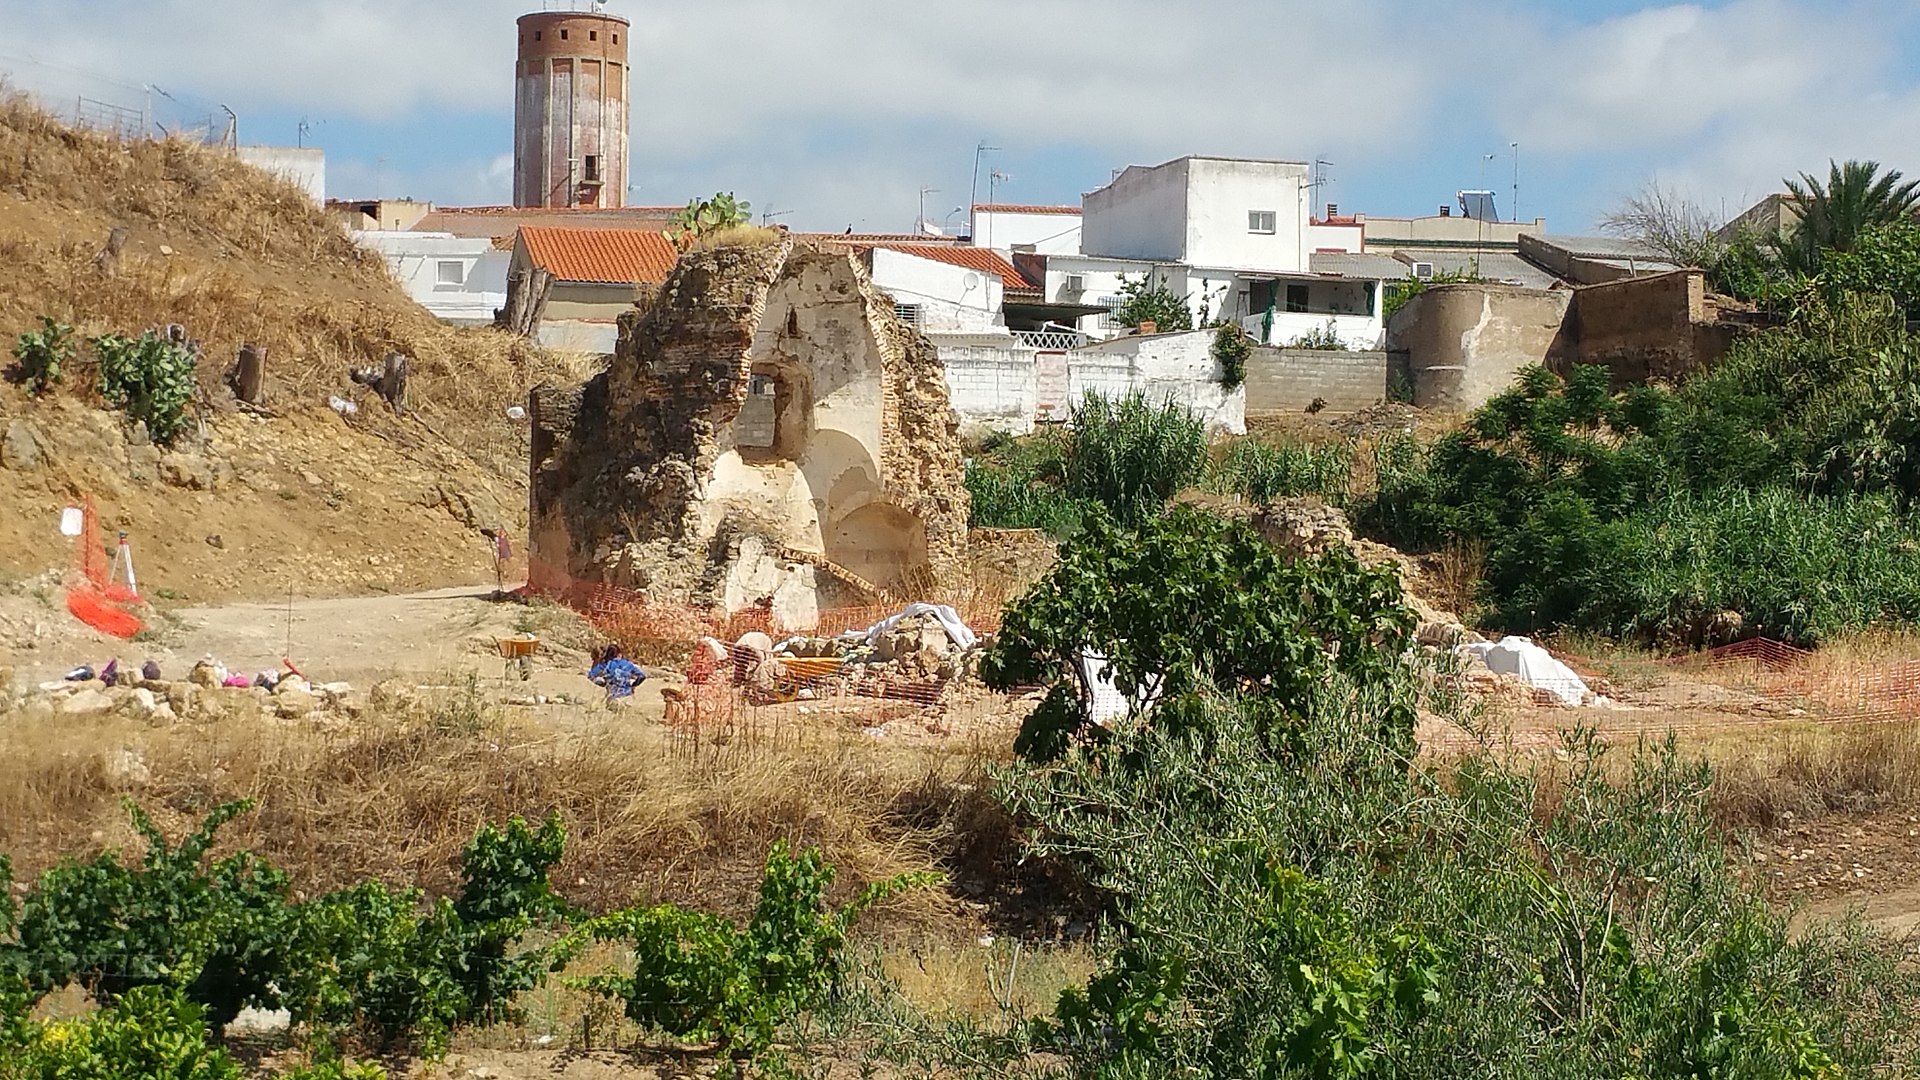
[{"x": 836, "y": 113}]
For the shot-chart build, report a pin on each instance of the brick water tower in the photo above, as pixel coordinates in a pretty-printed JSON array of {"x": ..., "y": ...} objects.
[{"x": 570, "y": 113}]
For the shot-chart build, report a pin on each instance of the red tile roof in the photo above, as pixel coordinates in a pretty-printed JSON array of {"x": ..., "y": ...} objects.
[
  {"x": 601, "y": 256},
  {"x": 985, "y": 260},
  {"x": 867, "y": 240},
  {"x": 1014, "y": 208}
]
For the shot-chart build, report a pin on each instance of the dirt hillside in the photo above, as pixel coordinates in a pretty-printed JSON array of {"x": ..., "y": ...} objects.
[{"x": 244, "y": 505}]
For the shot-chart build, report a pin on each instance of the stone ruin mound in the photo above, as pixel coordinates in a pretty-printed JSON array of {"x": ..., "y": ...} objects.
[{"x": 768, "y": 434}]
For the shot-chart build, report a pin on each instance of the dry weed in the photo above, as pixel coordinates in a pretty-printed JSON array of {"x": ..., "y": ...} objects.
[
  {"x": 396, "y": 797},
  {"x": 1758, "y": 781},
  {"x": 237, "y": 256}
]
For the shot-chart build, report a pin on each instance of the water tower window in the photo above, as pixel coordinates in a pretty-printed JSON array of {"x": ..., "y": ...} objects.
[
  {"x": 593, "y": 35},
  {"x": 536, "y": 35},
  {"x": 593, "y": 167},
  {"x": 616, "y": 39},
  {"x": 563, "y": 35}
]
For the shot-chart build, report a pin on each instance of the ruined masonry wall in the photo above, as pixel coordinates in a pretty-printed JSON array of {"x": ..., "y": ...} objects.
[{"x": 849, "y": 473}]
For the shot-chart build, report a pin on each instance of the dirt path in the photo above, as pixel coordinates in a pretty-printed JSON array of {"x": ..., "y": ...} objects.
[{"x": 436, "y": 636}]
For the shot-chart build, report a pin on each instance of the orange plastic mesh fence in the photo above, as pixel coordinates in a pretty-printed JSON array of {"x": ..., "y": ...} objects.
[
  {"x": 106, "y": 606},
  {"x": 1752, "y": 684},
  {"x": 744, "y": 701}
]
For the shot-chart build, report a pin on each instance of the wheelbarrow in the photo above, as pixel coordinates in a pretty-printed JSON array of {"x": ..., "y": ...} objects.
[
  {"x": 516, "y": 653},
  {"x": 799, "y": 672}
]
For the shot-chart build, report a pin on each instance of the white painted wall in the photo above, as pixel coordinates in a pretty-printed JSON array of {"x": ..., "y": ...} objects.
[
  {"x": 1358, "y": 332},
  {"x": 578, "y": 336},
  {"x": 952, "y": 299},
  {"x": 1142, "y": 215},
  {"x": 1177, "y": 366},
  {"x": 416, "y": 260},
  {"x": 1222, "y": 193},
  {"x": 1048, "y": 234},
  {"x": 993, "y": 383},
  {"x": 1348, "y": 238},
  {"x": 304, "y": 167}
]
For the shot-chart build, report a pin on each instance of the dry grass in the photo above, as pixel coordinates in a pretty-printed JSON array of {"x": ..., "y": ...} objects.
[
  {"x": 395, "y": 797},
  {"x": 251, "y": 260},
  {"x": 1761, "y": 779},
  {"x": 736, "y": 236}
]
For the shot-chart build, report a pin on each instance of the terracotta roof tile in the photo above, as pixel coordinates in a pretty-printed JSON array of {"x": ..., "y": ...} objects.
[
  {"x": 985, "y": 260},
  {"x": 601, "y": 256},
  {"x": 1014, "y": 208}
]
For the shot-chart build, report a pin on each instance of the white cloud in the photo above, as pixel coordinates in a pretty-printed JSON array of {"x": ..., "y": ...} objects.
[{"x": 844, "y": 108}]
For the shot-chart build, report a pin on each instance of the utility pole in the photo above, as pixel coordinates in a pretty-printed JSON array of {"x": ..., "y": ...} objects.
[
  {"x": 973, "y": 196},
  {"x": 920, "y": 225},
  {"x": 1516, "y": 181}
]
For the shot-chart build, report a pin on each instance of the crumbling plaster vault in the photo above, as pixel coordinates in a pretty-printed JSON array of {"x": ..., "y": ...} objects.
[{"x": 768, "y": 431}]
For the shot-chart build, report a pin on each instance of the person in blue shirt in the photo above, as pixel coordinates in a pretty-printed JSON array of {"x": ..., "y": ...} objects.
[{"x": 617, "y": 673}]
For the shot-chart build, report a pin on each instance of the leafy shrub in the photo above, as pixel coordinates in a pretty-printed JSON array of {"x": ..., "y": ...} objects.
[
  {"x": 1231, "y": 349},
  {"x": 1145, "y": 300},
  {"x": 226, "y": 935},
  {"x": 1262, "y": 472},
  {"x": 1189, "y": 602},
  {"x": 336, "y": 1070},
  {"x": 214, "y": 931},
  {"x": 1295, "y": 897},
  {"x": 151, "y": 378},
  {"x": 698, "y": 977},
  {"x": 43, "y": 353},
  {"x": 1705, "y": 569},
  {"x": 372, "y": 964},
  {"x": 1131, "y": 456},
  {"x": 1645, "y": 513},
  {"x": 1320, "y": 338},
  {"x": 150, "y": 1033}
]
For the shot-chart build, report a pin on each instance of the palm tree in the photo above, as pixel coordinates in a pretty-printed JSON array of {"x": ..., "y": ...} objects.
[{"x": 1856, "y": 197}]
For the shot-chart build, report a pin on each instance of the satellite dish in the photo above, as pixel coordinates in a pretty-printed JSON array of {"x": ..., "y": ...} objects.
[{"x": 972, "y": 280}]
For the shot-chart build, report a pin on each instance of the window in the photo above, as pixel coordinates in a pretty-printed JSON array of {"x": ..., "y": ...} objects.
[
  {"x": 616, "y": 39},
  {"x": 593, "y": 168},
  {"x": 1261, "y": 221},
  {"x": 1296, "y": 298},
  {"x": 1112, "y": 304},
  {"x": 537, "y": 34},
  {"x": 908, "y": 313},
  {"x": 563, "y": 35},
  {"x": 451, "y": 272},
  {"x": 593, "y": 35}
]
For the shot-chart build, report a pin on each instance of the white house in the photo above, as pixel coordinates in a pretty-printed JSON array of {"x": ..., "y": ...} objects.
[
  {"x": 459, "y": 280},
  {"x": 1041, "y": 230},
  {"x": 1237, "y": 240},
  {"x": 305, "y": 167}
]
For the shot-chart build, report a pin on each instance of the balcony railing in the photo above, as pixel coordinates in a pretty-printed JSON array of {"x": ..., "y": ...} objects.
[{"x": 1050, "y": 340}]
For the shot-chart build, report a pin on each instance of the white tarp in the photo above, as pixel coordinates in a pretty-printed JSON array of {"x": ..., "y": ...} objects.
[
  {"x": 1105, "y": 702},
  {"x": 948, "y": 619},
  {"x": 1531, "y": 664}
]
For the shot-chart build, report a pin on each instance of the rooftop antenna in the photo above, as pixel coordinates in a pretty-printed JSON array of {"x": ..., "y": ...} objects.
[
  {"x": 973, "y": 196},
  {"x": 767, "y": 216},
  {"x": 1516, "y": 180},
  {"x": 921, "y": 226}
]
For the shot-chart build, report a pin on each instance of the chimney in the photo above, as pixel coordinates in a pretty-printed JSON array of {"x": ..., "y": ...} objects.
[
  {"x": 1445, "y": 210},
  {"x": 1333, "y": 211}
]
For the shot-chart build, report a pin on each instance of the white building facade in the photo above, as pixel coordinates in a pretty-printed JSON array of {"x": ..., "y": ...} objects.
[
  {"x": 1236, "y": 239},
  {"x": 459, "y": 280},
  {"x": 1040, "y": 230}
]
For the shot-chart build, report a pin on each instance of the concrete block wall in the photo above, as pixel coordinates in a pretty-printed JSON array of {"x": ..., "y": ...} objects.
[
  {"x": 1289, "y": 380},
  {"x": 992, "y": 386}
]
